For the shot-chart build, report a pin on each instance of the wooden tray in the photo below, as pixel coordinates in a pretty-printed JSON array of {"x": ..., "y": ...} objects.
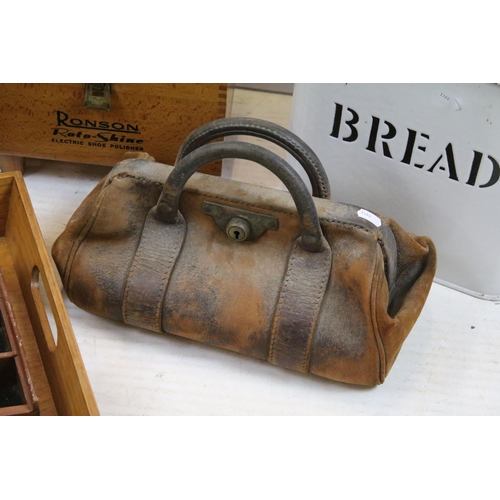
[
  {"x": 52, "y": 355},
  {"x": 50, "y": 120}
]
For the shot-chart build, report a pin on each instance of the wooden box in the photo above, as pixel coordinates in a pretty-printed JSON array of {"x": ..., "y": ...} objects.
[
  {"x": 51, "y": 121},
  {"x": 54, "y": 364}
]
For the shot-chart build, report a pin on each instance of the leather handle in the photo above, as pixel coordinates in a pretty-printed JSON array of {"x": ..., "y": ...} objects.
[
  {"x": 264, "y": 130},
  {"x": 168, "y": 203}
]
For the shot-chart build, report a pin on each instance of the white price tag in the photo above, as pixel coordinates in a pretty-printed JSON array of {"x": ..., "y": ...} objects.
[
  {"x": 450, "y": 100},
  {"x": 364, "y": 214}
]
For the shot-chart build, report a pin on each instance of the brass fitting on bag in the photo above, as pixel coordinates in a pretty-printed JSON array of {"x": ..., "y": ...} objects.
[{"x": 238, "y": 229}]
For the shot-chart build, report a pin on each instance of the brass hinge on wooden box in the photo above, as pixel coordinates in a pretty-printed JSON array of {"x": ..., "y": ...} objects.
[{"x": 97, "y": 96}]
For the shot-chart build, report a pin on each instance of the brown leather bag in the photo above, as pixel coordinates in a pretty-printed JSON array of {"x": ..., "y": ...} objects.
[{"x": 304, "y": 282}]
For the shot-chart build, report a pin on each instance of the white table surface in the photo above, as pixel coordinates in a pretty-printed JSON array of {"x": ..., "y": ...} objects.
[{"x": 449, "y": 365}]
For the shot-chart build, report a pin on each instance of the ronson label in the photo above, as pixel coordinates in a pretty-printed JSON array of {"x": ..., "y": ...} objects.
[{"x": 96, "y": 133}]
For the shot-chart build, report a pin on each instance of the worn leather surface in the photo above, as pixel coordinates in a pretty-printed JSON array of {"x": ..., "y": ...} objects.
[
  {"x": 228, "y": 293},
  {"x": 150, "y": 272},
  {"x": 299, "y": 306}
]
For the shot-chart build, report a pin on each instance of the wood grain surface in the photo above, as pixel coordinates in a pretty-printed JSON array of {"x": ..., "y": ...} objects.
[{"x": 50, "y": 121}]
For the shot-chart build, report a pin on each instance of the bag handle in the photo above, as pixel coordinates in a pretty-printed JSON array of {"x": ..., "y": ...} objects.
[
  {"x": 264, "y": 130},
  {"x": 168, "y": 203}
]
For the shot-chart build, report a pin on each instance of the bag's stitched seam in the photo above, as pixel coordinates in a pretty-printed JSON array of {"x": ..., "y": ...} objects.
[
  {"x": 379, "y": 337},
  {"x": 374, "y": 320},
  {"x": 280, "y": 301},
  {"x": 127, "y": 288},
  {"x": 164, "y": 279},
  {"x": 223, "y": 198},
  {"x": 386, "y": 262},
  {"x": 307, "y": 352},
  {"x": 324, "y": 219},
  {"x": 138, "y": 250},
  {"x": 123, "y": 175},
  {"x": 265, "y": 129},
  {"x": 165, "y": 282},
  {"x": 384, "y": 251},
  {"x": 159, "y": 296},
  {"x": 84, "y": 231},
  {"x": 347, "y": 224},
  {"x": 232, "y": 200}
]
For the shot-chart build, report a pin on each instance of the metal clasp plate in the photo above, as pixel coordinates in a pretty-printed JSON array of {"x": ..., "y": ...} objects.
[{"x": 250, "y": 225}]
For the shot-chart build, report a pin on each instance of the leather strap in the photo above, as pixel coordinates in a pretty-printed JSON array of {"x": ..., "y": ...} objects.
[
  {"x": 150, "y": 272},
  {"x": 300, "y": 301}
]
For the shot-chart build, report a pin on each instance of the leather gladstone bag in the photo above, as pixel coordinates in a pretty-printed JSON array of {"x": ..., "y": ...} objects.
[{"x": 303, "y": 282}]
